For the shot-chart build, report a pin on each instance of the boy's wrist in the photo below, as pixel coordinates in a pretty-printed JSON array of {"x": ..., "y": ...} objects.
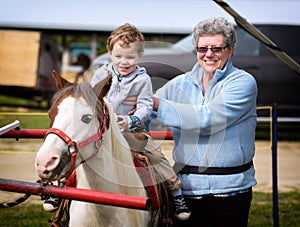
[{"x": 133, "y": 122}]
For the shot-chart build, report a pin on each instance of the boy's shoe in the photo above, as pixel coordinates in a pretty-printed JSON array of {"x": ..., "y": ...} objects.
[
  {"x": 182, "y": 212},
  {"x": 51, "y": 204}
]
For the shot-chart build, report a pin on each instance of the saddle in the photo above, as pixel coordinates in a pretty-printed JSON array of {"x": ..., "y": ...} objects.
[
  {"x": 157, "y": 192},
  {"x": 137, "y": 142},
  {"x": 146, "y": 173}
]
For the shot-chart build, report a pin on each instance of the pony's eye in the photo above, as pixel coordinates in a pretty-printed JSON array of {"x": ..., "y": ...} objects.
[{"x": 86, "y": 118}]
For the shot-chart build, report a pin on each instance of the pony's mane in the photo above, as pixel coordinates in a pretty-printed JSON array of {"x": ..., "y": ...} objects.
[{"x": 83, "y": 89}]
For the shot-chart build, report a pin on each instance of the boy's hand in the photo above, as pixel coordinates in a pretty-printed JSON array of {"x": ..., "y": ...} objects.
[{"x": 123, "y": 122}]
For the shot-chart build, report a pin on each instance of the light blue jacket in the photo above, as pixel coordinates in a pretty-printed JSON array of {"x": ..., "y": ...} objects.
[
  {"x": 136, "y": 87},
  {"x": 212, "y": 130}
]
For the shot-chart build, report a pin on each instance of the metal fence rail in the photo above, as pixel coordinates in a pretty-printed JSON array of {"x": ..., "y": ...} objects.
[{"x": 85, "y": 195}]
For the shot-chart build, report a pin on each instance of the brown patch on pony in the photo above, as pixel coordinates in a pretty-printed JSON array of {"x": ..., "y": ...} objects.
[
  {"x": 60, "y": 82},
  {"x": 65, "y": 88},
  {"x": 52, "y": 112}
]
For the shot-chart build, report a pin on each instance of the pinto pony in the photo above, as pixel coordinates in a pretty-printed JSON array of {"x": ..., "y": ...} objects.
[{"x": 84, "y": 137}]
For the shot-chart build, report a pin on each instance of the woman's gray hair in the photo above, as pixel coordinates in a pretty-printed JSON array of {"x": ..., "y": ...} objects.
[{"x": 214, "y": 26}]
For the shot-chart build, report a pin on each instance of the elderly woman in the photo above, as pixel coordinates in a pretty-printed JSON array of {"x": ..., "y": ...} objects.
[{"x": 211, "y": 111}]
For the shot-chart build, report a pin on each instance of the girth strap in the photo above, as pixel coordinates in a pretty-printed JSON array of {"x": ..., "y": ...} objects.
[{"x": 186, "y": 169}]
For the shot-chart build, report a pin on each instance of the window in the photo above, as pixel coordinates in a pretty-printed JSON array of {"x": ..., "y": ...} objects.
[{"x": 246, "y": 45}]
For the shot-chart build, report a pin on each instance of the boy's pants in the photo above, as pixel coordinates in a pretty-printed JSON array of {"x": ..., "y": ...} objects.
[{"x": 141, "y": 142}]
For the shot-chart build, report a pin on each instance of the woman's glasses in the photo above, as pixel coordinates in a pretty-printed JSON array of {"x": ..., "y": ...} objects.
[{"x": 213, "y": 49}]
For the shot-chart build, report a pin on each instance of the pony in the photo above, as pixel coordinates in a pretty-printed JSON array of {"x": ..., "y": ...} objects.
[{"x": 84, "y": 137}]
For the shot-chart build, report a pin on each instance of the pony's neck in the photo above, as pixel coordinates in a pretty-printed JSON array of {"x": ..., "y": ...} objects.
[{"x": 112, "y": 170}]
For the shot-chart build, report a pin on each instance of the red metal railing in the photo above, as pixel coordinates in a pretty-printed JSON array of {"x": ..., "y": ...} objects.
[
  {"x": 113, "y": 199},
  {"x": 40, "y": 133},
  {"x": 85, "y": 195}
]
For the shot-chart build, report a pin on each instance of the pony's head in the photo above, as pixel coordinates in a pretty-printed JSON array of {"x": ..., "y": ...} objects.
[{"x": 78, "y": 119}]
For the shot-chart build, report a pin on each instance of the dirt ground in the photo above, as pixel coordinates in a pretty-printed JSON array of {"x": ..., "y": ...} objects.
[{"x": 17, "y": 163}]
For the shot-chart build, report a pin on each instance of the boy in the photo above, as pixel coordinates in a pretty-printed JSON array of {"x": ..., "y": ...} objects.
[{"x": 131, "y": 98}]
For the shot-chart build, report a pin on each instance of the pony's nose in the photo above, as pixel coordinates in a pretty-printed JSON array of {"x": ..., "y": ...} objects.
[
  {"x": 52, "y": 162},
  {"x": 44, "y": 167}
]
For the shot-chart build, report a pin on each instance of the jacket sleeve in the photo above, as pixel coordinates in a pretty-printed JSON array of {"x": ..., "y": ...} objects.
[
  {"x": 232, "y": 101},
  {"x": 144, "y": 100}
]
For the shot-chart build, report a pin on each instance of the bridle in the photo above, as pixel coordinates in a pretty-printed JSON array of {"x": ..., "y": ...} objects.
[{"x": 74, "y": 147}]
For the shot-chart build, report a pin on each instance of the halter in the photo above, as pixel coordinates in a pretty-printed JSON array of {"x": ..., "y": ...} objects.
[{"x": 74, "y": 147}]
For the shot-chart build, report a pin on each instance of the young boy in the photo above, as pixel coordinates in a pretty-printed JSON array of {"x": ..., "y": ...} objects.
[{"x": 131, "y": 98}]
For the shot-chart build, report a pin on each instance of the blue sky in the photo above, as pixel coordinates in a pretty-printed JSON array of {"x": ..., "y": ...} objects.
[{"x": 174, "y": 16}]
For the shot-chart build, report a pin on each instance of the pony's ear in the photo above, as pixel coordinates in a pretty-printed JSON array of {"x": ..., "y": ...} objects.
[
  {"x": 103, "y": 86},
  {"x": 59, "y": 81}
]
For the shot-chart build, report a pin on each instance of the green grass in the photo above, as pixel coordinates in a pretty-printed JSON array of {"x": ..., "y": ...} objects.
[
  {"x": 260, "y": 213},
  {"x": 21, "y": 102},
  {"x": 26, "y": 121},
  {"x": 30, "y": 113},
  {"x": 24, "y": 215}
]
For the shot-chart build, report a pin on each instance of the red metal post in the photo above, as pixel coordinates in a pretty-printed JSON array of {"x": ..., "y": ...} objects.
[
  {"x": 85, "y": 195},
  {"x": 25, "y": 133},
  {"x": 161, "y": 135},
  {"x": 40, "y": 133}
]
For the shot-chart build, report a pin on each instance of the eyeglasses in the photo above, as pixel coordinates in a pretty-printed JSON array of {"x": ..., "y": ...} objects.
[{"x": 213, "y": 49}]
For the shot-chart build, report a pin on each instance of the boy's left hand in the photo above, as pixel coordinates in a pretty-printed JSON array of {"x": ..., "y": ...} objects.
[{"x": 123, "y": 122}]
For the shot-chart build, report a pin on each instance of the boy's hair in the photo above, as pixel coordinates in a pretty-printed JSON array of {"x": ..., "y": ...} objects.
[{"x": 127, "y": 34}]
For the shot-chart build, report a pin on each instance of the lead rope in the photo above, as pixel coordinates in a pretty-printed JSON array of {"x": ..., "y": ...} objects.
[
  {"x": 16, "y": 202},
  {"x": 58, "y": 221}
]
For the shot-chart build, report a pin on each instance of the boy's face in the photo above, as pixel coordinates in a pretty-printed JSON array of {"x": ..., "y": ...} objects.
[{"x": 125, "y": 58}]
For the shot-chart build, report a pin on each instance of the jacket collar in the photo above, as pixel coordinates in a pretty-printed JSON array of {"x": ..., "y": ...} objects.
[{"x": 197, "y": 72}]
